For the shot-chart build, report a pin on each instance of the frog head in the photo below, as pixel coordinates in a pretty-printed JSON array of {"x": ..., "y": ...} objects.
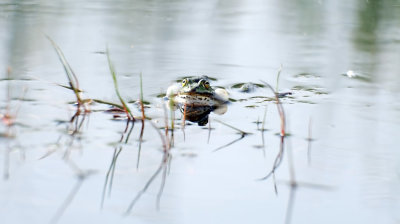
[{"x": 196, "y": 86}]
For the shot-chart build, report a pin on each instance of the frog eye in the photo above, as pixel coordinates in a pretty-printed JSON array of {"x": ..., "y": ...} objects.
[
  {"x": 184, "y": 82},
  {"x": 206, "y": 84}
]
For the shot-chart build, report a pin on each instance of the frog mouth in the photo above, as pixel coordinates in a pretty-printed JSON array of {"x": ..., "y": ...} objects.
[
  {"x": 194, "y": 93},
  {"x": 195, "y": 99}
]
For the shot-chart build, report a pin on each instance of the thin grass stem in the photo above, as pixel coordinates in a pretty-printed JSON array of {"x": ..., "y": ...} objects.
[
  {"x": 309, "y": 139},
  {"x": 108, "y": 103},
  {"x": 143, "y": 123},
  {"x": 72, "y": 79},
  {"x": 114, "y": 77},
  {"x": 184, "y": 121},
  {"x": 140, "y": 144},
  {"x": 277, "y": 79}
]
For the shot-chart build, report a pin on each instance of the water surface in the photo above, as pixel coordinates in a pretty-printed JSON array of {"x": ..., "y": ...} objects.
[{"x": 354, "y": 120}]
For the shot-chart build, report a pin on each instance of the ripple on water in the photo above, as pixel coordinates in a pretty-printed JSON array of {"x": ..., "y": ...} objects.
[
  {"x": 309, "y": 94},
  {"x": 357, "y": 76}
]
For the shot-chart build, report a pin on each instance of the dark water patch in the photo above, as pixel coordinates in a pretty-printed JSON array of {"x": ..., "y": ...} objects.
[
  {"x": 99, "y": 52},
  {"x": 258, "y": 146},
  {"x": 247, "y": 87},
  {"x": 262, "y": 99},
  {"x": 161, "y": 95},
  {"x": 251, "y": 106},
  {"x": 265, "y": 98},
  {"x": 219, "y": 87},
  {"x": 307, "y": 75},
  {"x": 232, "y": 100},
  {"x": 255, "y": 99},
  {"x": 59, "y": 121},
  {"x": 242, "y": 100},
  {"x": 189, "y": 154},
  {"x": 295, "y": 95},
  {"x": 137, "y": 102},
  {"x": 16, "y": 79},
  {"x": 302, "y": 94},
  {"x": 317, "y": 90},
  {"x": 113, "y": 144},
  {"x": 146, "y": 103},
  {"x": 24, "y": 99},
  {"x": 306, "y": 102}
]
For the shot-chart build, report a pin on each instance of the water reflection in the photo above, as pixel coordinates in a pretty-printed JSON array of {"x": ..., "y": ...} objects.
[
  {"x": 197, "y": 115},
  {"x": 355, "y": 119},
  {"x": 366, "y": 34}
]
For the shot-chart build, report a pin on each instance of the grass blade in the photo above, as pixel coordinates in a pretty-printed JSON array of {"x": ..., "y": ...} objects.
[
  {"x": 72, "y": 79},
  {"x": 114, "y": 77}
]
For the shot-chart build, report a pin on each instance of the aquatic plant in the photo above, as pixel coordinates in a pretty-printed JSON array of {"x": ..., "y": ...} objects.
[
  {"x": 108, "y": 182},
  {"x": 114, "y": 77},
  {"x": 72, "y": 78},
  {"x": 163, "y": 167},
  {"x": 278, "y": 158},
  {"x": 8, "y": 118},
  {"x": 277, "y": 79},
  {"x": 143, "y": 121}
]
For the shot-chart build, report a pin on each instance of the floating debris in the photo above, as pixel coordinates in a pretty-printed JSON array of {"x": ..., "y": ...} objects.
[
  {"x": 355, "y": 75},
  {"x": 351, "y": 74}
]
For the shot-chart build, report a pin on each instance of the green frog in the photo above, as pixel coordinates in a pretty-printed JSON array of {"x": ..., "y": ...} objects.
[
  {"x": 198, "y": 98},
  {"x": 197, "y": 92}
]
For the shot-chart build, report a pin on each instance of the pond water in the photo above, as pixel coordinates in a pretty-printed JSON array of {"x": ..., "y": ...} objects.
[{"x": 339, "y": 60}]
